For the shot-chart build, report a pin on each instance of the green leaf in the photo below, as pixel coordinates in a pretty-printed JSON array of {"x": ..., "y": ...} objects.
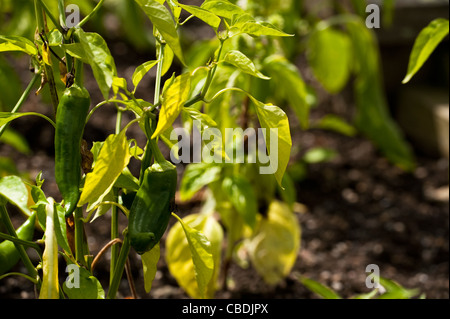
[
  {"x": 373, "y": 118},
  {"x": 243, "y": 63},
  {"x": 112, "y": 160},
  {"x": 319, "y": 155},
  {"x": 168, "y": 60},
  {"x": 288, "y": 81},
  {"x": 173, "y": 100},
  {"x": 276, "y": 122},
  {"x": 195, "y": 114},
  {"x": 84, "y": 286},
  {"x": 127, "y": 181},
  {"x": 321, "y": 290},
  {"x": 149, "y": 262},
  {"x": 241, "y": 194},
  {"x": 50, "y": 285},
  {"x": 223, "y": 9},
  {"x": 13, "y": 190},
  {"x": 60, "y": 229},
  {"x": 330, "y": 56},
  {"x": 15, "y": 43},
  {"x": 203, "y": 14},
  {"x": 258, "y": 29},
  {"x": 274, "y": 247},
  {"x": 196, "y": 176},
  {"x": 180, "y": 259},
  {"x": 395, "y": 291},
  {"x": 6, "y": 117},
  {"x": 141, "y": 71},
  {"x": 93, "y": 50},
  {"x": 119, "y": 84},
  {"x": 369, "y": 295},
  {"x": 336, "y": 124},
  {"x": 427, "y": 41},
  {"x": 16, "y": 140},
  {"x": 164, "y": 23}
]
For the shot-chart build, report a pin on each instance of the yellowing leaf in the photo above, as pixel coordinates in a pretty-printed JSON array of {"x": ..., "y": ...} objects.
[
  {"x": 193, "y": 254},
  {"x": 112, "y": 160},
  {"x": 274, "y": 248},
  {"x": 46, "y": 55},
  {"x": 149, "y": 262},
  {"x": 173, "y": 101},
  {"x": 50, "y": 285}
]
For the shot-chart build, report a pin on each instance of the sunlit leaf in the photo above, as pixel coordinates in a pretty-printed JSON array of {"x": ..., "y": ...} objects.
[
  {"x": 50, "y": 285},
  {"x": 243, "y": 63},
  {"x": 114, "y": 156},
  {"x": 274, "y": 248},
  {"x": 173, "y": 101},
  {"x": 141, "y": 71},
  {"x": 203, "y": 14},
  {"x": 15, "y": 43},
  {"x": 425, "y": 44},
  {"x": 193, "y": 254},
  {"x": 164, "y": 23},
  {"x": 275, "y": 121},
  {"x": 257, "y": 29},
  {"x": 149, "y": 262},
  {"x": 93, "y": 50},
  {"x": 223, "y": 8}
]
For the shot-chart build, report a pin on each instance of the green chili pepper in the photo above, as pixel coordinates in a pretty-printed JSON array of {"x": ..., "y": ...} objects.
[
  {"x": 9, "y": 256},
  {"x": 152, "y": 207},
  {"x": 71, "y": 116}
]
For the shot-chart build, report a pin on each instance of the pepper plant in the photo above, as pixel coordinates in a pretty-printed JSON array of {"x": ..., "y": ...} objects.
[
  {"x": 95, "y": 181},
  {"x": 226, "y": 92}
]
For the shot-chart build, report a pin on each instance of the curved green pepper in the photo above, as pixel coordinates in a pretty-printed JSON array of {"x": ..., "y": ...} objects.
[
  {"x": 71, "y": 116},
  {"x": 9, "y": 256},
  {"x": 152, "y": 207}
]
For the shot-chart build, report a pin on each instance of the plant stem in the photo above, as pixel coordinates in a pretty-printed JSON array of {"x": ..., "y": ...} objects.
[
  {"x": 160, "y": 56},
  {"x": 22, "y": 242},
  {"x": 90, "y": 15},
  {"x": 47, "y": 69},
  {"x": 115, "y": 215},
  {"x": 23, "y": 98},
  {"x": 21, "y": 250},
  {"x": 62, "y": 13},
  {"x": 50, "y": 15},
  {"x": 79, "y": 236},
  {"x": 120, "y": 265}
]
